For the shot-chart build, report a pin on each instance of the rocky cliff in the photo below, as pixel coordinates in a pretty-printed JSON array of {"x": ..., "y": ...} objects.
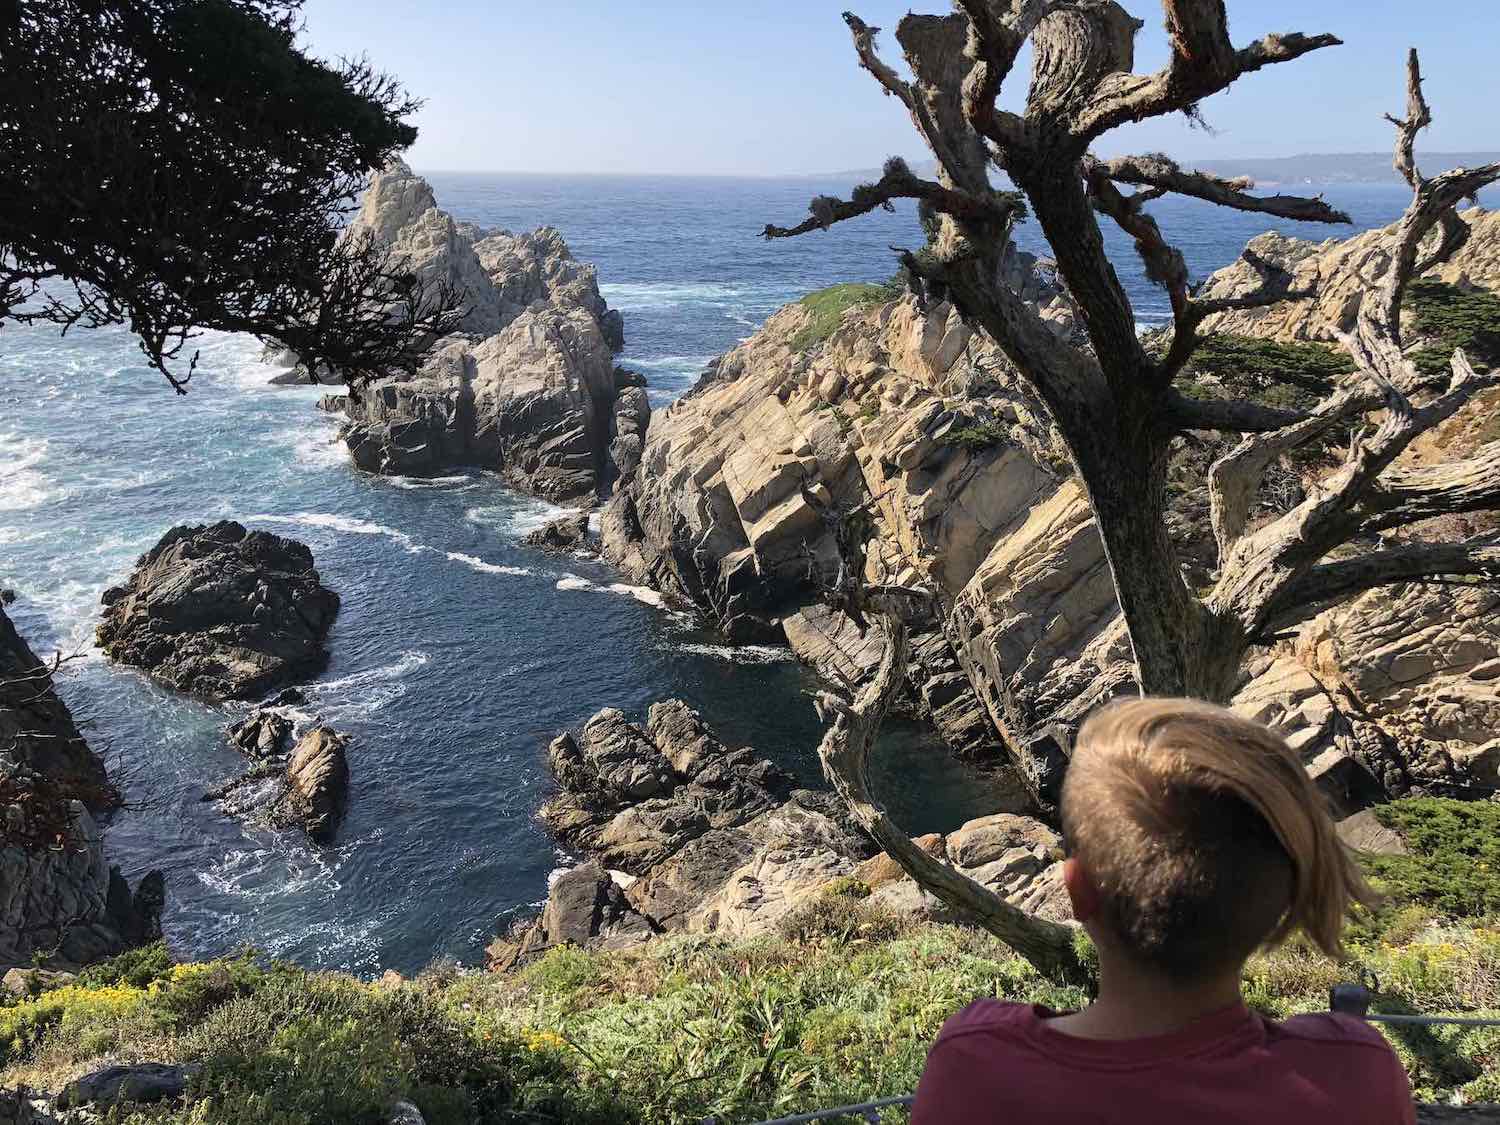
[
  {"x": 529, "y": 388},
  {"x": 60, "y": 901},
  {"x": 908, "y": 414}
]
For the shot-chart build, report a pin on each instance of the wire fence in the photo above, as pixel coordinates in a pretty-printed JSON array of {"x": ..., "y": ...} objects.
[{"x": 1344, "y": 999}]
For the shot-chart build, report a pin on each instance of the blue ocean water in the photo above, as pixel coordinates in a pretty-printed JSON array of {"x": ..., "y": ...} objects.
[{"x": 458, "y": 652}]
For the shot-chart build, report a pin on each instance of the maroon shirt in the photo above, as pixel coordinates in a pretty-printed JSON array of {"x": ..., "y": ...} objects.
[{"x": 1004, "y": 1064}]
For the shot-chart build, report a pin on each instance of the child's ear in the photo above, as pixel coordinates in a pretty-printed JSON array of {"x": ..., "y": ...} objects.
[{"x": 1081, "y": 889}]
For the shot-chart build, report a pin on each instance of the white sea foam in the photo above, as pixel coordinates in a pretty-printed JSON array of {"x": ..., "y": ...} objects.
[
  {"x": 22, "y": 485},
  {"x": 740, "y": 654},
  {"x": 347, "y": 524},
  {"x": 573, "y": 582},
  {"x": 486, "y": 567},
  {"x": 404, "y": 665},
  {"x": 642, "y": 594},
  {"x": 662, "y": 294},
  {"x": 675, "y": 364},
  {"x": 517, "y": 518},
  {"x": 419, "y": 483}
]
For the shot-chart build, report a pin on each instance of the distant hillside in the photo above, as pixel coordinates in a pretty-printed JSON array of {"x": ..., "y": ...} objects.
[
  {"x": 1337, "y": 167},
  {"x": 1309, "y": 168}
]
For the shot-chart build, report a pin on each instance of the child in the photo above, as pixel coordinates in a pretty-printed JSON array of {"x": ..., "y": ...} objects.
[{"x": 1194, "y": 838}]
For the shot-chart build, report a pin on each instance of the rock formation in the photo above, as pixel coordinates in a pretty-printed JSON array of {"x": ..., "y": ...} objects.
[
  {"x": 905, "y": 414},
  {"x": 60, "y": 901},
  {"x": 528, "y": 390},
  {"x": 306, "y": 788},
  {"x": 37, "y": 730},
  {"x": 566, "y": 533},
  {"x": 317, "y": 784},
  {"x": 684, "y": 834},
  {"x": 221, "y": 612}
]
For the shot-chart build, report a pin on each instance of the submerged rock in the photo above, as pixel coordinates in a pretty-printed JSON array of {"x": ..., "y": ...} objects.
[{"x": 220, "y": 611}]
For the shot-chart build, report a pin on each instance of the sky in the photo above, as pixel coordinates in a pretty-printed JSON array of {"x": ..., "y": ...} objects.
[{"x": 772, "y": 87}]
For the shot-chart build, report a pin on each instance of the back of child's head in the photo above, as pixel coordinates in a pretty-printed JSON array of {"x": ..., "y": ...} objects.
[{"x": 1203, "y": 836}]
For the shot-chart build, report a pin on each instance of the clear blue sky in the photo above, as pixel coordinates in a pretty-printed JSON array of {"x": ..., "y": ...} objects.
[{"x": 772, "y": 86}]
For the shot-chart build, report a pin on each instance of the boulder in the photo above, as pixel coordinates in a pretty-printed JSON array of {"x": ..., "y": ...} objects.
[
  {"x": 139, "y": 1084},
  {"x": 220, "y": 611},
  {"x": 261, "y": 735},
  {"x": 566, "y": 533},
  {"x": 317, "y": 784},
  {"x": 990, "y": 838},
  {"x": 1364, "y": 833}
]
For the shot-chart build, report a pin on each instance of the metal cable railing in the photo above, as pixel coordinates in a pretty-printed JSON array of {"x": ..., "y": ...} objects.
[{"x": 1345, "y": 999}]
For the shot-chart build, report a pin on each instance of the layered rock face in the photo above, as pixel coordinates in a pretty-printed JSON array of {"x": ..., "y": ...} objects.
[
  {"x": 37, "y": 730},
  {"x": 221, "y": 612},
  {"x": 59, "y": 898},
  {"x": 906, "y": 413},
  {"x": 682, "y": 833},
  {"x": 529, "y": 389}
]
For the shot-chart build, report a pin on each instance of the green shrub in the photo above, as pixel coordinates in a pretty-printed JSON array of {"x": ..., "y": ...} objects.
[
  {"x": 137, "y": 968},
  {"x": 826, "y": 309},
  {"x": 1454, "y": 318},
  {"x": 978, "y": 437},
  {"x": 1453, "y": 865},
  {"x": 1290, "y": 376}
]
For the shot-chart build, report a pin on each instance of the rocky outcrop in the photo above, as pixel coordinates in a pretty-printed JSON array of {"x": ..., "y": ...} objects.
[
  {"x": 684, "y": 834},
  {"x": 60, "y": 901},
  {"x": 317, "y": 784},
  {"x": 528, "y": 389},
  {"x": 904, "y": 413},
  {"x": 306, "y": 788},
  {"x": 220, "y": 611},
  {"x": 1337, "y": 270},
  {"x": 37, "y": 730},
  {"x": 566, "y": 533}
]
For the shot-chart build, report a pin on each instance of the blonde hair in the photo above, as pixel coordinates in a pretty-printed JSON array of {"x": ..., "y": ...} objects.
[{"x": 1204, "y": 836}]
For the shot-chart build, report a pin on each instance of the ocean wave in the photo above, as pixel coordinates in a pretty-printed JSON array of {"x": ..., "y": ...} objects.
[
  {"x": 404, "y": 665},
  {"x": 419, "y": 483},
  {"x": 739, "y": 654},
  {"x": 673, "y": 364},
  {"x": 348, "y": 524},
  {"x": 642, "y": 594},
  {"x": 483, "y": 567},
  {"x": 517, "y": 518},
  {"x": 627, "y": 295}
]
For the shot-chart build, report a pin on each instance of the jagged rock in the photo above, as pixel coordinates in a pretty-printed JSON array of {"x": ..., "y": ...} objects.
[
  {"x": 26, "y": 982},
  {"x": 990, "y": 838},
  {"x": 404, "y": 1113},
  {"x": 317, "y": 784},
  {"x": 140, "y": 1083},
  {"x": 58, "y": 895},
  {"x": 262, "y": 734},
  {"x": 7, "y": 597},
  {"x": 1338, "y": 272},
  {"x": 1364, "y": 833},
  {"x": 529, "y": 390},
  {"x": 566, "y": 533},
  {"x": 881, "y": 869},
  {"x": 37, "y": 730},
  {"x": 220, "y": 611}
]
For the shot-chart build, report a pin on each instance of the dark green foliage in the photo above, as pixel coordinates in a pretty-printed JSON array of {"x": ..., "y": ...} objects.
[
  {"x": 138, "y": 968},
  {"x": 174, "y": 165},
  {"x": 1454, "y": 865},
  {"x": 1453, "y": 318},
  {"x": 1292, "y": 376},
  {"x": 978, "y": 437}
]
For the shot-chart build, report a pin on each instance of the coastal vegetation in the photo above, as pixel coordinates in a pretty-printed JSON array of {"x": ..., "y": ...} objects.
[
  {"x": 839, "y": 1005},
  {"x": 826, "y": 308}
]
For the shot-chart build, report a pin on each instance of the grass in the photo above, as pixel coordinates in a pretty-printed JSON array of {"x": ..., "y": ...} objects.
[
  {"x": 978, "y": 437},
  {"x": 839, "y": 1006},
  {"x": 826, "y": 309}
]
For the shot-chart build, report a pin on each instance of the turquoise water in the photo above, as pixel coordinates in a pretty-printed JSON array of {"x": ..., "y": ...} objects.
[{"x": 458, "y": 652}]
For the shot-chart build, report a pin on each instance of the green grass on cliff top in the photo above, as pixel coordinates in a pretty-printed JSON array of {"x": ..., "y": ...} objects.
[
  {"x": 826, "y": 309},
  {"x": 839, "y": 1007}
]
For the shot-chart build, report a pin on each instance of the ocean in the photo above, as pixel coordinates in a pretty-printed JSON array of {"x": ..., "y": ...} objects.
[{"x": 458, "y": 652}]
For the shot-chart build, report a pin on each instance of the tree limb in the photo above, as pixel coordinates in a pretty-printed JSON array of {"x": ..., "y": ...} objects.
[
  {"x": 1163, "y": 174},
  {"x": 898, "y": 182},
  {"x": 1335, "y": 581},
  {"x": 1402, "y": 496},
  {"x": 1203, "y": 63},
  {"x": 1418, "y": 117},
  {"x": 845, "y": 751}
]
